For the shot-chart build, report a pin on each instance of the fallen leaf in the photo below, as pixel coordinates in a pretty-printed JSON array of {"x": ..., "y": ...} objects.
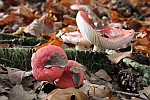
[
  {"x": 115, "y": 16},
  {"x": 68, "y": 20},
  {"x": 76, "y": 79},
  {"x": 4, "y": 45},
  {"x": 78, "y": 69},
  {"x": 3, "y": 98},
  {"x": 7, "y": 19},
  {"x": 35, "y": 28},
  {"x": 54, "y": 40},
  {"x": 27, "y": 81},
  {"x": 24, "y": 11},
  {"x": 56, "y": 60},
  {"x": 116, "y": 57},
  {"x": 143, "y": 41},
  {"x": 99, "y": 91},
  {"x": 66, "y": 94},
  {"x": 70, "y": 28},
  {"x": 68, "y": 3},
  {"x": 103, "y": 74},
  {"x": 143, "y": 49},
  {"x": 19, "y": 31},
  {"x": 18, "y": 93},
  {"x": 15, "y": 75}
]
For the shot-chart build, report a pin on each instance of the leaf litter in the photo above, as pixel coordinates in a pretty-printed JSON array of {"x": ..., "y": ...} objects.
[{"x": 131, "y": 68}]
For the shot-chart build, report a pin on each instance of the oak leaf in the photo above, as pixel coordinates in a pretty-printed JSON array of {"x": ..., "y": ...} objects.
[{"x": 66, "y": 94}]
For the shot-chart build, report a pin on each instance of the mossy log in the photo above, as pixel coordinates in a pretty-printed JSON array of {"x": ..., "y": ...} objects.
[
  {"x": 20, "y": 40},
  {"x": 21, "y": 58}
]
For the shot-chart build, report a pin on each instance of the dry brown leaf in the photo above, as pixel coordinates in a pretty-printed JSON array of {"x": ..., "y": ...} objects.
[
  {"x": 3, "y": 98},
  {"x": 18, "y": 93},
  {"x": 56, "y": 60},
  {"x": 143, "y": 49},
  {"x": 53, "y": 40},
  {"x": 103, "y": 74},
  {"x": 27, "y": 81},
  {"x": 96, "y": 98},
  {"x": 4, "y": 45},
  {"x": 134, "y": 3},
  {"x": 66, "y": 94},
  {"x": 24, "y": 11},
  {"x": 68, "y": 20},
  {"x": 116, "y": 57},
  {"x": 35, "y": 28},
  {"x": 70, "y": 28},
  {"x": 99, "y": 91},
  {"x": 71, "y": 2},
  {"x": 13, "y": 2},
  {"x": 143, "y": 41},
  {"x": 40, "y": 26},
  {"x": 68, "y": 2},
  {"x": 6, "y": 19},
  {"x": 19, "y": 31},
  {"x": 15, "y": 76},
  {"x": 78, "y": 69},
  {"x": 76, "y": 79}
]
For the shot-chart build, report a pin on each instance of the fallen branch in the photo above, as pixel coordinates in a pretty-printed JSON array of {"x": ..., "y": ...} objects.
[{"x": 129, "y": 94}]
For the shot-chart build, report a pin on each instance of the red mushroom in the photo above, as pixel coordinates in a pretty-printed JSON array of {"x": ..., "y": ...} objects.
[
  {"x": 48, "y": 63},
  {"x": 70, "y": 78}
]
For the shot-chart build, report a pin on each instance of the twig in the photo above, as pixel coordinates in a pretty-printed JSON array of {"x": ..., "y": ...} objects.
[
  {"x": 3, "y": 72},
  {"x": 129, "y": 94},
  {"x": 10, "y": 85}
]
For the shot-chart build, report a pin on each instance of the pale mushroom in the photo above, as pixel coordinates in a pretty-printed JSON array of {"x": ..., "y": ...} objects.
[{"x": 97, "y": 39}]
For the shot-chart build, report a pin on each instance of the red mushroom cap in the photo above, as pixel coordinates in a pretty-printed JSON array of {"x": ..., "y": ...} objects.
[
  {"x": 66, "y": 79},
  {"x": 48, "y": 56}
]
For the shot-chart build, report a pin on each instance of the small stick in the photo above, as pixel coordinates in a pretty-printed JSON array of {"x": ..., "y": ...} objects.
[
  {"x": 130, "y": 94},
  {"x": 3, "y": 72},
  {"x": 10, "y": 85}
]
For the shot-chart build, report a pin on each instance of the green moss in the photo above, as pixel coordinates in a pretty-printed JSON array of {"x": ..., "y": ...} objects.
[
  {"x": 16, "y": 57},
  {"x": 21, "y": 58},
  {"x": 92, "y": 60}
]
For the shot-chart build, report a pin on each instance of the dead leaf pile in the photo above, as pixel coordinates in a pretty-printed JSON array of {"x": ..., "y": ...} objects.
[{"x": 50, "y": 19}]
